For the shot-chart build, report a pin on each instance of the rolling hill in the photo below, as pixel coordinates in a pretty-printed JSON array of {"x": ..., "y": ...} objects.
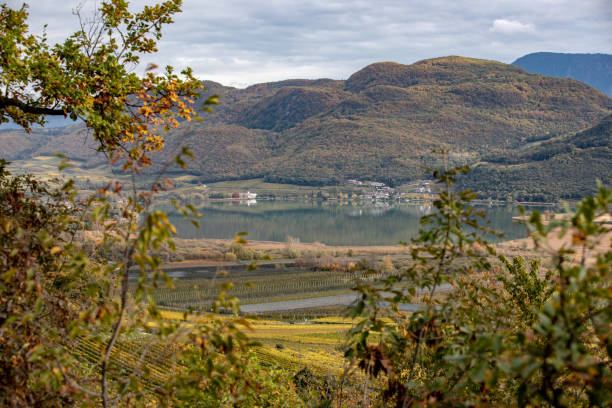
[
  {"x": 379, "y": 124},
  {"x": 561, "y": 168}
]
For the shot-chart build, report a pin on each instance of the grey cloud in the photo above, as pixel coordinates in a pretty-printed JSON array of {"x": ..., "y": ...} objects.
[{"x": 239, "y": 42}]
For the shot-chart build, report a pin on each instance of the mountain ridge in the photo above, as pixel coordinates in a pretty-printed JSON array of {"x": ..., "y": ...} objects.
[
  {"x": 593, "y": 69},
  {"x": 379, "y": 124}
]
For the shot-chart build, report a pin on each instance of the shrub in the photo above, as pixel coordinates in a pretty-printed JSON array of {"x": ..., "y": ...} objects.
[
  {"x": 387, "y": 264},
  {"x": 291, "y": 250},
  {"x": 230, "y": 256},
  {"x": 501, "y": 337},
  {"x": 243, "y": 253}
]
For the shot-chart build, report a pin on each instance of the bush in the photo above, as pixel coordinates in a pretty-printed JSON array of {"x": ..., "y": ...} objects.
[
  {"x": 501, "y": 337},
  {"x": 291, "y": 250},
  {"x": 243, "y": 253},
  {"x": 315, "y": 390},
  {"x": 387, "y": 264},
  {"x": 230, "y": 256}
]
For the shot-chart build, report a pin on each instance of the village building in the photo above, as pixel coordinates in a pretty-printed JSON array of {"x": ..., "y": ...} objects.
[{"x": 247, "y": 196}]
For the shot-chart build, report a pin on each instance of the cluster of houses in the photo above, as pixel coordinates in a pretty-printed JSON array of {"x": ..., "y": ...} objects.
[
  {"x": 424, "y": 188},
  {"x": 380, "y": 191}
]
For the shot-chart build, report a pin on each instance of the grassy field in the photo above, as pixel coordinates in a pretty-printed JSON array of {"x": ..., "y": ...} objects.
[
  {"x": 263, "y": 188},
  {"x": 258, "y": 186},
  {"x": 46, "y": 168}
]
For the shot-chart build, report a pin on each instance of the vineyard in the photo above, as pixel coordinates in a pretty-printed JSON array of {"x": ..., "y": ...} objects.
[
  {"x": 314, "y": 344},
  {"x": 199, "y": 293},
  {"x": 151, "y": 363},
  {"x": 290, "y": 346},
  {"x": 313, "y": 339}
]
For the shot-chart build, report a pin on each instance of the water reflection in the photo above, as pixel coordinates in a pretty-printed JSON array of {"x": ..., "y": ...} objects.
[
  {"x": 377, "y": 223},
  {"x": 248, "y": 203}
]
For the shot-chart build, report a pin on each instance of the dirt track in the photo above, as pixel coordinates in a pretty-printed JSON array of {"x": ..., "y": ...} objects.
[{"x": 338, "y": 300}]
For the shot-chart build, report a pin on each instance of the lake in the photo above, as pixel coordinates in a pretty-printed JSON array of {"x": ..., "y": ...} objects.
[{"x": 327, "y": 222}]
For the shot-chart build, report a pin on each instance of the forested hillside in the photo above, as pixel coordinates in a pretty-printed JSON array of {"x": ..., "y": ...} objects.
[
  {"x": 565, "y": 167},
  {"x": 379, "y": 124}
]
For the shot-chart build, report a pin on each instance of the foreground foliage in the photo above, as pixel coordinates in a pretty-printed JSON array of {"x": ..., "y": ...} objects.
[
  {"x": 67, "y": 316},
  {"x": 514, "y": 335}
]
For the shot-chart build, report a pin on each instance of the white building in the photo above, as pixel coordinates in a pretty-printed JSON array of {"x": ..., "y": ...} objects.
[{"x": 247, "y": 196}]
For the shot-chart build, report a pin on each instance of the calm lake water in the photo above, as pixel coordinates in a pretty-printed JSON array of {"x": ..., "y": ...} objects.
[{"x": 325, "y": 222}]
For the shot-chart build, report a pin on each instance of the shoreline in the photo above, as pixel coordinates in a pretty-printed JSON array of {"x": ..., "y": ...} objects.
[
  {"x": 342, "y": 252},
  {"x": 482, "y": 201}
]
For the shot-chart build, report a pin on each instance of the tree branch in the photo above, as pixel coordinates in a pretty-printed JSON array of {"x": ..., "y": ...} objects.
[{"x": 24, "y": 107}]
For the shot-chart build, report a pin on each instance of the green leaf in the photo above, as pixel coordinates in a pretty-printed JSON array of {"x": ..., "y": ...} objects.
[{"x": 478, "y": 372}]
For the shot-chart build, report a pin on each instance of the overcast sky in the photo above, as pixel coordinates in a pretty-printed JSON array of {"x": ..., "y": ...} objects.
[{"x": 241, "y": 42}]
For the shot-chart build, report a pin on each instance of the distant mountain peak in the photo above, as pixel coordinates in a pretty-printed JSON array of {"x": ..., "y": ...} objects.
[
  {"x": 448, "y": 70},
  {"x": 593, "y": 69},
  {"x": 457, "y": 60}
]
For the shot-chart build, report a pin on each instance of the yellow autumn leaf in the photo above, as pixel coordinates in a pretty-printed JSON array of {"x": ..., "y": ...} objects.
[{"x": 55, "y": 250}]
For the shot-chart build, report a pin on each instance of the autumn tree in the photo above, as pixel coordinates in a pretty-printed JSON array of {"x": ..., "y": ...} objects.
[{"x": 68, "y": 321}]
